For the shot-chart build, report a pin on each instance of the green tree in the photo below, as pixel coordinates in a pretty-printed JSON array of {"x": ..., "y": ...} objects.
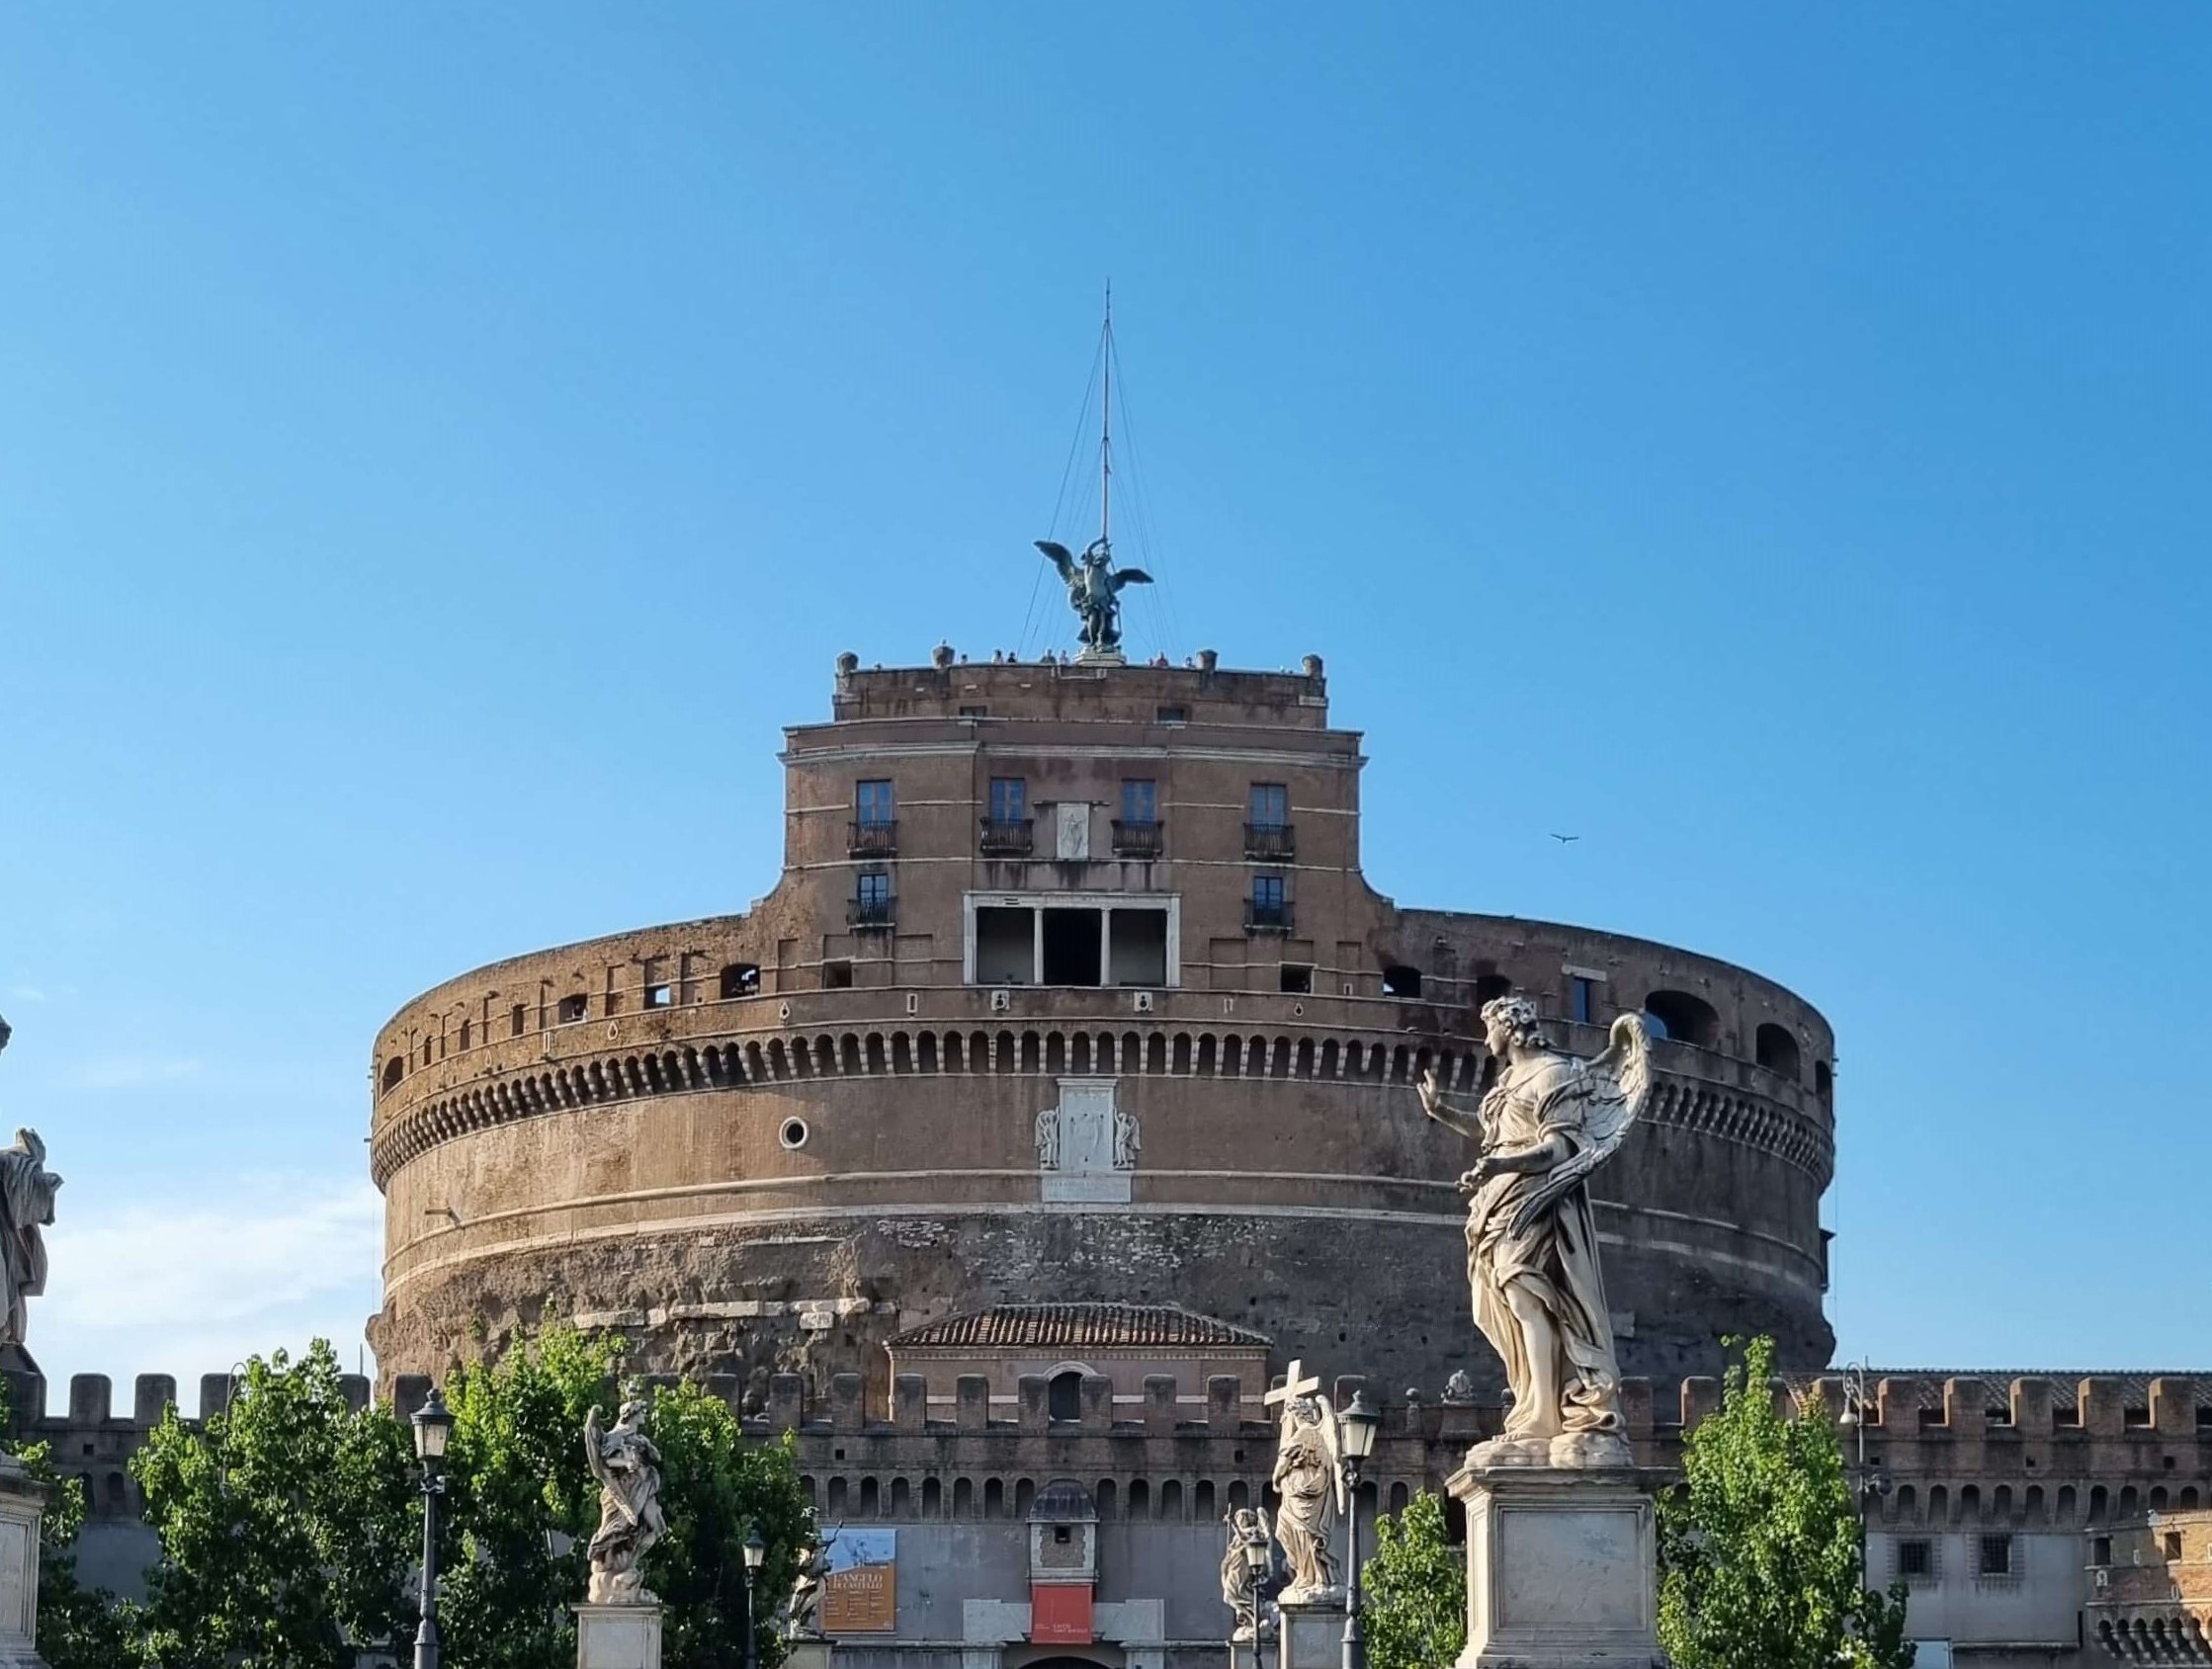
[
  {"x": 521, "y": 1507},
  {"x": 286, "y": 1524},
  {"x": 1414, "y": 1591},
  {"x": 1760, "y": 1545}
]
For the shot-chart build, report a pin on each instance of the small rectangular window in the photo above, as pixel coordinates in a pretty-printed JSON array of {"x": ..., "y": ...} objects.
[
  {"x": 1174, "y": 715},
  {"x": 1139, "y": 800},
  {"x": 657, "y": 996},
  {"x": 1997, "y": 1555},
  {"x": 1298, "y": 980},
  {"x": 2174, "y": 1545},
  {"x": 1267, "y": 893},
  {"x": 975, "y": 712},
  {"x": 741, "y": 979},
  {"x": 1582, "y": 998},
  {"x": 1402, "y": 981},
  {"x": 520, "y": 1019},
  {"x": 1915, "y": 1557},
  {"x": 573, "y": 1008},
  {"x": 836, "y": 976},
  {"x": 1009, "y": 800},
  {"x": 2100, "y": 1551},
  {"x": 872, "y": 805},
  {"x": 1270, "y": 805}
]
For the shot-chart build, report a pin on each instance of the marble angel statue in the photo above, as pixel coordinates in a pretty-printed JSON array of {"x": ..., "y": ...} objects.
[
  {"x": 628, "y": 1466},
  {"x": 26, "y": 1195},
  {"x": 1309, "y": 1480},
  {"x": 1245, "y": 1599},
  {"x": 1546, "y": 1123},
  {"x": 802, "y": 1618}
]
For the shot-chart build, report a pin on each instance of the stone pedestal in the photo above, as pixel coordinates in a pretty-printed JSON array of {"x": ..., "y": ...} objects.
[
  {"x": 807, "y": 1653},
  {"x": 618, "y": 1636},
  {"x": 1311, "y": 1634},
  {"x": 23, "y": 1504},
  {"x": 1561, "y": 1569}
]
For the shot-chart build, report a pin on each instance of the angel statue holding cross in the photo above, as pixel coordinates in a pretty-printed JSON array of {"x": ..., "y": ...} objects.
[
  {"x": 1547, "y": 1121},
  {"x": 1310, "y": 1479}
]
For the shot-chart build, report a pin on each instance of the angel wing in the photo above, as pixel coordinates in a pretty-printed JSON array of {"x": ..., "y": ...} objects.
[
  {"x": 1613, "y": 1088},
  {"x": 1329, "y": 1442},
  {"x": 1061, "y": 558},
  {"x": 1131, "y": 576},
  {"x": 597, "y": 1461}
]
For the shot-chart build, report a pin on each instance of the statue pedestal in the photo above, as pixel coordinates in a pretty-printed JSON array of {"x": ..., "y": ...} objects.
[
  {"x": 806, "y": 1653},
  {"x": 1561, "y": 1569},
  {"x": 1312, "y": 1634},
  {"x": 23, "y": 1504},
  {"x": 618, "y": 1636}
]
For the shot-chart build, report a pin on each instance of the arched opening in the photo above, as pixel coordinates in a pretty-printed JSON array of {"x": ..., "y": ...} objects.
[
  {"x": 1064, "y": 1396},
  {"x": 1171, "y": 1502},
  {"x": 1682, "y": 1017},
  {"x": 932, "y": 1498},
  {"x": 1776, "y": 1049},
  {"x": 1402, "y": 981},
  {"x": 1824, "y": 1080},
  {"x": 741, "y": 979},
  {"x": 394, "y": 1069},
  {"x": 1182, "y": 1054},
  {"x": 1139, "y": 1499},
  {"x": 964, "y": 1498},
  {"x": 1202, "y": 1501},
  {"x": 1490, "y": 987},
  {"x": 994, "y": 1498}
]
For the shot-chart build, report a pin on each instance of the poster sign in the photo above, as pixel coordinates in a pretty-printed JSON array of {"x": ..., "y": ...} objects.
[{"x": 860, "y": 1591}]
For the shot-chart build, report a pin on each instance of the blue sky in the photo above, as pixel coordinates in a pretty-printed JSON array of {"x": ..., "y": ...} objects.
[{"x": 439, "y": 448}]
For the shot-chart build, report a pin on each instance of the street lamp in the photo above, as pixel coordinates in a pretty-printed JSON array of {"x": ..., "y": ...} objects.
[
  {"x": 1259, "y": 1559},
  {"x": 1357, "y": 1427},
  {"x": 433, "y": 1426},
  {"x": 756, "y": 1550},
  {"x": 1869, "y": 1484}
]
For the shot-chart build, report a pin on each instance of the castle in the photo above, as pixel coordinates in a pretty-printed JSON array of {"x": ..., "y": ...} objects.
[{"x": 1059, "y": 1093}]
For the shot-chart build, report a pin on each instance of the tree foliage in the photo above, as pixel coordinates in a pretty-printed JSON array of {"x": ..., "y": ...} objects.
[
  {"x": 79, "y": 1628},
  {"x": 284, "y": 1522},
  {"x": 1414, "y": 1591},
  {"x": 1760, "y": 1554},
  {"x": 522, "y": 1505}
]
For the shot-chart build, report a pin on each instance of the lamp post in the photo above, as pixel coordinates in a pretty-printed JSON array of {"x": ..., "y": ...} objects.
[
  {"x": 1869, "y": 1484},
  {"x": 433, "y": 1426},
  {"x": 756, "y": 1550},
  {"x": 1259, "y": 1558},
  {"x": 1357, "y": 1427}
]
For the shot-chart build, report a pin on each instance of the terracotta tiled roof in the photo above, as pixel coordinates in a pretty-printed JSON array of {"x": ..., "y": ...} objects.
[{"x": 1079, "y": 1326}]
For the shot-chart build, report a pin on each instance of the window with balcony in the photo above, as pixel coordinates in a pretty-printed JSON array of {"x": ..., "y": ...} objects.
[
  {"x": 573, "y": 1008},
  {"x": 1038, "y": 939},
  {"x": 741, "y": 979},
  {"x": 1269, "y": 911},
  {"x": 875, "y": 830},
  {"x": 1137, "y": 830},
  {"x": 872, "y": 902},
  {"x": 1267, "y": 824},
  {"x": 1006, "y": 827}
]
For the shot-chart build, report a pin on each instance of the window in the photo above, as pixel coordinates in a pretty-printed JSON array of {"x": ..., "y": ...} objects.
[
  {"x": 1488, "y": 987},
  {"x": 1298, "y": 980},
  {"x": 520, "y": 1019},
  {"x": 874, "y": 890},
  {"x": 872, "y": 805},
  {"x": 573, "y": 1008},
  {"x": 1064, "y": 1397},
  {"x": 975, "y": 712},
  {"x": 2100, "y": 1551},
  {"x": 1139, "y": 800},
  {"x": 1270, "y": 805},
  {"x": 657, "y": 996},
  {"x": 394, "y": 1069},
  {"x": 1682, "y": 1017},
  {"x": 1997, "y": 1555},
  {"x": 1402, "y": 981},
  {"x": 1915, "y": 1557},
  {"x": 1582, "y": 999},
  {"x": 1269, "y": 908},
  {"x": 741, "y": 979},
  {"x": 837, "y": 976},
  {"x": 1776, "y": 1049},
  {"x": 1174, "y": 715},
  {"x": 2172, "y": 1544},
  {"x": 467, "y": 1030},
  {"x": 1009, "y": 800}
]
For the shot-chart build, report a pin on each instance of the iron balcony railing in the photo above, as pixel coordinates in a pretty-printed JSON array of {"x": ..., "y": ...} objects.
[
  {"x": 1272, "y": 841},
  {"x": 1005, "y": 838},
  {"x": 863, "y": 914},
  {"x": 1139, "y": 840},
  {"x": 1268, "y": 918},
  {"x": 870, "y": 838}
]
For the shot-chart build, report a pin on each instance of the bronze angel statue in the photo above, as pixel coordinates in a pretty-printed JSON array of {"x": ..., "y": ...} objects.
[
  {"x": 1547, "y": 1122},
  {"x": 1094, "y": 587}
]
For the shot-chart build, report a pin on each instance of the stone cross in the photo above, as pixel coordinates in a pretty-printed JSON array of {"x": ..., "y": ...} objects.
[{"x": 1293, "y": 1387}]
